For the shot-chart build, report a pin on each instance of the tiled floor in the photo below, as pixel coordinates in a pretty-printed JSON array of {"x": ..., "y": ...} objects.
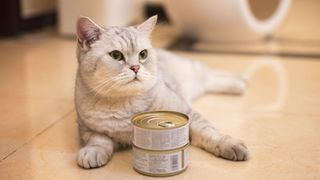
[{"x": 278, "y": 117}]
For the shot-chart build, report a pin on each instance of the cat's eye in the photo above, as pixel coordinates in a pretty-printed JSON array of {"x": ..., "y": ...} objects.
[
  {"x": 143, "y": 54},
  {"x": 116, "y": 55}
]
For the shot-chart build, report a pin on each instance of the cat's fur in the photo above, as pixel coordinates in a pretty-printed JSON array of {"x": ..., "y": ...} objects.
[{"x": 108, "y": 92}]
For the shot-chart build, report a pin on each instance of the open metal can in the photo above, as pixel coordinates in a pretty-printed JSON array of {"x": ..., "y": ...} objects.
[{"x": 160, "y": 130}]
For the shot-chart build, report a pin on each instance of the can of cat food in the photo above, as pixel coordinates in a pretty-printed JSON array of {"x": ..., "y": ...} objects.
[
  {"x": 160, "y": 130},
  {"x": 160, "y": 141},
  {"x": 160, "y": 163}
]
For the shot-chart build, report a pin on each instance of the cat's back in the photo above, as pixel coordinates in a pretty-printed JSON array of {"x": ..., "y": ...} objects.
[
  {"x": 180, "y": 73},
  {"x": 169, "y": 62}
]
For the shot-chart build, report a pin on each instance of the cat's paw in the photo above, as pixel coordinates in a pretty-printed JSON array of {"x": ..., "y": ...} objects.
[
  {"x": 232, "y": 149},
  {"x": 92, "y": 157}
]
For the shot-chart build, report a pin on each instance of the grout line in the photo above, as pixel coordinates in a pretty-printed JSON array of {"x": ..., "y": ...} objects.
[{"x": 37, "y": 135}]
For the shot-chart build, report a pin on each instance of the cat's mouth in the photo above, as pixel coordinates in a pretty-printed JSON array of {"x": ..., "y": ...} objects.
[{"x": 135, "y": 79}]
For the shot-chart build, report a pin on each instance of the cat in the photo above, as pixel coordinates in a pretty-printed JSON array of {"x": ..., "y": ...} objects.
[{"x": 120, "y": 74}]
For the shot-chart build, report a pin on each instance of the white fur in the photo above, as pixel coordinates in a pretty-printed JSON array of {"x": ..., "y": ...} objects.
[{"x": 107, "y": 93}]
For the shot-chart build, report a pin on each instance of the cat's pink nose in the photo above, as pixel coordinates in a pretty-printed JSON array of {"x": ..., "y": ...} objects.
[{"x": 135, "y": 68}]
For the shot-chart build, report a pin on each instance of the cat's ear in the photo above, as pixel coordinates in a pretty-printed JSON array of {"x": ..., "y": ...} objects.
[
  {"x": 87, "y": 31},
  {"x": 147, "y": 26}
]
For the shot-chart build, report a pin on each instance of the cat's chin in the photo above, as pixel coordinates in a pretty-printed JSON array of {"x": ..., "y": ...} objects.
[{"x": 135, "y": 85}]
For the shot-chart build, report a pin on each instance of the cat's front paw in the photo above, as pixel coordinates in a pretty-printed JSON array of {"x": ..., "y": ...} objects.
[
  {"x": 232, "y": 149},
  {"x": 92, "y": 157}
]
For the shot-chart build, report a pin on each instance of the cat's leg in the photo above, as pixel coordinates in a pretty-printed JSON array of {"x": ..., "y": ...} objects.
[
  {"x": 205, "y": 136},
  {"x": 97, "y": 149},
  {"x": 225, "y": 82}
]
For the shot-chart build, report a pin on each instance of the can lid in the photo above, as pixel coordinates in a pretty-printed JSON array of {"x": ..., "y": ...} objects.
[{"x": 160, "y": 120}]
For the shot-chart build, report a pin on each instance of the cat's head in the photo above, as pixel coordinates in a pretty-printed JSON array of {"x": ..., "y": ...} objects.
[{"x": 116, "y": 61}]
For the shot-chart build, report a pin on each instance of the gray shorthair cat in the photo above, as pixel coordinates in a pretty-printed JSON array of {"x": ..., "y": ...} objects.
[{"x": 121, "y": 74}]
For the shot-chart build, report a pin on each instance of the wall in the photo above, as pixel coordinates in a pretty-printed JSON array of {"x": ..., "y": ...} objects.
[{"x": 31, "y": 8}]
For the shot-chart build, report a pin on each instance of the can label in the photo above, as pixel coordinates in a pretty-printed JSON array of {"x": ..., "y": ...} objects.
[
  {"x": 164, "y": 139},
  {"x": 159, "y": 162}
]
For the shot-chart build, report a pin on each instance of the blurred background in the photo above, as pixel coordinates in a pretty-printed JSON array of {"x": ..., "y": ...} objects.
[
  {"x": 283, "y": 27},
  {"x": 274, "y": 43}
]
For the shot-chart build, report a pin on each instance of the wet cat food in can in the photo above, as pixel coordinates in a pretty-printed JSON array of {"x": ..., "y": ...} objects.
[
  {"x": 160, "y": 163},
  {"x": 160, "y": 130}
]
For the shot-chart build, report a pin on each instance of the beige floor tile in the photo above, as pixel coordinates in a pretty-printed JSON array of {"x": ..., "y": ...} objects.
[
  {"x": 282, "y": 147},
  {"x": 37, "y": 66},
  {"x": 37, "y": 80},
  {"x": 24, "y": 118}
]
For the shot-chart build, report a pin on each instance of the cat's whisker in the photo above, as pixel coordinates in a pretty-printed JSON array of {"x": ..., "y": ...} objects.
[
  {"x": 107, "y": 85},
  {"x": 101, "y": 82},
  {"x": 104, "y": 85},
  {"x": 100, "y": 85},
  {"x": 116, "y": 82},
  {"x": 112, "y": 87},
  {"x": 146, "y": 76}
]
